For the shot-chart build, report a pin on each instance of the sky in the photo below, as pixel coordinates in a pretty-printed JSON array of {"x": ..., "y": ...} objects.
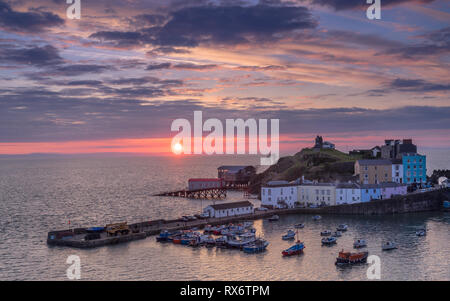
[{"x": 115, "y": 79}]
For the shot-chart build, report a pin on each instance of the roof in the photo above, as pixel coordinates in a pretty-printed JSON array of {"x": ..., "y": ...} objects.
[
  {"x": 397, "y": 161},
  {"x": 234, "y": 167},
  {"x": 317, "y": 184},
  {"x": 231, "y": 205},
  {"x": 375, "y": 162},
  {"x": 347, "y": 185},
  {"x": 205, "y": 180}
]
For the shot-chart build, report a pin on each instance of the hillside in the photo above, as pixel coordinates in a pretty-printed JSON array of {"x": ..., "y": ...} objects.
[{"x": 325, "y": 165}]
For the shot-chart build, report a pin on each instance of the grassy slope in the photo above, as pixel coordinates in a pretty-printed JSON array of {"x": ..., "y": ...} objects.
[{"x": 326, "y": 165}]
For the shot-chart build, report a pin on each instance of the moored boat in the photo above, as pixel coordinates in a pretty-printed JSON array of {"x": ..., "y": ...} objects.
[
  {"x": 389, "y": 245},
  {"x": 342, "y": 228},
  {"x": 329, "y": 241},
  {"x": 359, "y": 243},
  {"x": 337, "y": 234},
  {"x": 325, "y": 233},
  {"x": 240, "y": 242},
  {"x": 163, "y": 236},
  {"x": 289, "y": 235},
  {"x": 295, "y": 249},
  {"x": 317, "y": 217},
  {"x": 345, "y": 258},
  {"x": 421, "y": 232},
  {"x": 257, "y": 246},
  {"x": 274, "y": 218},
  {"x": 299, "y": 226}
]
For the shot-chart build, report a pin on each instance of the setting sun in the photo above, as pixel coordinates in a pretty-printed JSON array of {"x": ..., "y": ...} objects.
[{"x": 177, "y": 148}]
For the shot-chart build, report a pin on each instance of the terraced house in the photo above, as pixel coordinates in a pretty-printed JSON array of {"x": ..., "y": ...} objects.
[{"x": 374, "y": 171}]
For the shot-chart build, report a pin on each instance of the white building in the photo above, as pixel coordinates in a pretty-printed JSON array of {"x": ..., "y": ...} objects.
[
  {"x": 348, "y": 193},
  {"x": 229, "y": 209},
  {"x": 397, "y": 171},
  {"x": 279, "y": 194},
  {"x": 317, "y": 194},
  {"x": 443, "y": 182}
]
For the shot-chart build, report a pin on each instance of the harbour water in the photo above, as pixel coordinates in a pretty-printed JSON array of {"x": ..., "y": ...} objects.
[{"x": 39, "y": 194}]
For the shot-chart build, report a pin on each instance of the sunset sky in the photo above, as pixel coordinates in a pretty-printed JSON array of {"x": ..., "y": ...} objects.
[{"x": 115, "y": 80}]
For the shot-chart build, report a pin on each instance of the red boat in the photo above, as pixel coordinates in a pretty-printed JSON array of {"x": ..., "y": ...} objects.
[
  {"x": 295, "y": 249},
  {"x": 351, "y": 258}
]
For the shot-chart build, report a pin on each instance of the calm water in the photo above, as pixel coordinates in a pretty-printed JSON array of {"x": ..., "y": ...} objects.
[{"x": 42, "y": 194}]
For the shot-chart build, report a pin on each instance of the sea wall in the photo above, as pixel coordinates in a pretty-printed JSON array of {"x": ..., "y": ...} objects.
[{"x": 427, "y": 201}]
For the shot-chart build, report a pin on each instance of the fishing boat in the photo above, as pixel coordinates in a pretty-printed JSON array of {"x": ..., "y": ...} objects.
[
  {"x": 345, "y": 258},
  {"x": 176, "y": 240},
  {"x": 221, "y": 242},
  {"x": 274, "y": 218},
  {"x": 316, "y": 217},
  {"x": 163, "y": 236},
  {"x": 295, "y": 249},
  {"x": 257, "y": 246},
  {"x": 389, "y": 245},
  {"x": 337, "y": 234},
  {"x": 359, "y": 243},
  {"x": 289, "y": 235},
  {"x": 299, "y": 226},
  {"x": 325, "y": 233},
  {"x": 329, "y": 240},
  {"x": 421, "y": 232},
  {"x": 342, "y": 228}
]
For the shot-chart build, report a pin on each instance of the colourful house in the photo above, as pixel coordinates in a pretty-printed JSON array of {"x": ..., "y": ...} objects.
[
  {"x": 370, "y": 192},
  {"x": 389, "y": 190},
  {"x": 414, "y": 168}
]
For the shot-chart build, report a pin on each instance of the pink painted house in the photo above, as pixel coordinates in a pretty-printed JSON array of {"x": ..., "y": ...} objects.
[{"x": 390, "y": 189}]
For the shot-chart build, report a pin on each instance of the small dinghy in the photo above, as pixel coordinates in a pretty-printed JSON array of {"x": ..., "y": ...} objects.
[
  {"x": 274, "y": 218},
  {"x": 317, "y": 217},
  {"x": 289, "y": 235},
  {"x": 359, "y": 243},
  {"x": 325, "y": 233},
  {"x": 163, "y": 236},
  {"x": 295, "y": 249},
  {"x": 342, "y": 228},
  {"x": 389, "y": 245},
  {"x": 299, "y": 226},
  {"x": 421, "y": 232},
  {"x": 258, "y": 246},
  {"x": 328, "y": 241},
  {"x": 337, "y": 234},
  {"x": 345, "y": 258}
]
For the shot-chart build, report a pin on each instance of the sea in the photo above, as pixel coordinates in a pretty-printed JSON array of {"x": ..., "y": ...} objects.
[{"x": 43, "y": 193}]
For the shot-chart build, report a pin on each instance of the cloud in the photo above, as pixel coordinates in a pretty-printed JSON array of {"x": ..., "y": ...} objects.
[
  {"x": 159, "y": 66},
  {"x": 76, "y": 70},
  {"x": 417, "y": 85},
  {"x": 27, "y": 22},
  {"x": 192, "y": 26},
  {"x": 352, "y": 4},
  {"x": 35, "y": 56},
  {"x": 182, "y": 66}
]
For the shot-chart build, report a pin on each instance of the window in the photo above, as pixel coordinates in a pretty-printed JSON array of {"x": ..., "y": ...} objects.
[
  {"x": 328, "y": 192},
  {"x": 264, "y": 191},
  {"x": 269, "y": 191},
  {"x": 281, "y": 191}
]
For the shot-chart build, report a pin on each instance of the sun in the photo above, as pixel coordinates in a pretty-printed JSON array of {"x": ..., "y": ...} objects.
[{"x": 177, "y": 148}]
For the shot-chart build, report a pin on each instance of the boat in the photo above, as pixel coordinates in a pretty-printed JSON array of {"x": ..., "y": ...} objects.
[
  {"x": 337, "y": 234},
  {"x": 342, "y": 228},
  {"x": 163, "y": 236},
  {"x": 325, "y": 233},
  {"x": 317, "y": 217},
  {"x": 240, "y": 242},
  {"x": 345, "y": 258},
  {"x": 329, "y": 240},
  {"x": 248, "y": 224},
  {"x": 421, "y": 232},
  {"x": 274, "y": 218},
  {"x": 257, "y": 246},
  {"x": 295, "y": 249},
  {"x": 359, "y": 243},
  {"x": 389, "y": 245},
  {"x": 299, "y": 226},
  {"x": 289, "y": 235}
]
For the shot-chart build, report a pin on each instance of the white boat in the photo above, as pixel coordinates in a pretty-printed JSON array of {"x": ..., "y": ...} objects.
[
  {"x": 299, "y": 226},
  {"x": 389, "y": 245},
  {"x": 337, "y": 234},
  {"x": 329, "y": 240},
  {"x": 342, "y": 228},
  {"x": 289, "y": 235},
  {"x": 274, "y": 218},
  {"x": 239, "y": 242},
  {"x": 325, "y": 233},
  {"x": 316, "y": 217},
  {"x": 421, "y": 232},
  {"x": 248, "y": 224},
  {"x": 359, "y": 243}
]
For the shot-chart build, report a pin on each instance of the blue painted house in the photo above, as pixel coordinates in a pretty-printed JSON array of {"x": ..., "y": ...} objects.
[
  {"x": 370, "y": 192},
  {"x": 414, "y": 168}
]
